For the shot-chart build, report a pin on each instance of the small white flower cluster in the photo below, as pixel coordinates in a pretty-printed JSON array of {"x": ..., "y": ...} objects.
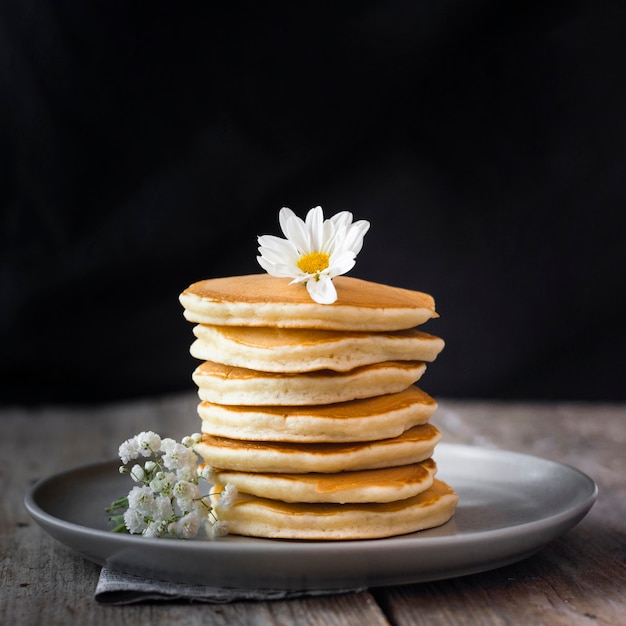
[{"x": 167, "y": 501}]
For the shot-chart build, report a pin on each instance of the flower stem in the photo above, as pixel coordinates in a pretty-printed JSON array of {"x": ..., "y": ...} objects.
[{"x": 120, "y": 503}]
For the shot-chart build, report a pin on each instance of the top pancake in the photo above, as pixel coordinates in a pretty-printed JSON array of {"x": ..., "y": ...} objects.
[{"x": 264, "y": 300}]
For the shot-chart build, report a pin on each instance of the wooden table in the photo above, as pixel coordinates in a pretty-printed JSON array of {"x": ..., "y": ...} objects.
[{"x": 577, "y": 579}]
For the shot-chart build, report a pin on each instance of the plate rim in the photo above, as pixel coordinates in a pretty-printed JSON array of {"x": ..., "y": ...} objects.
[{"x": 566, "y": 516}]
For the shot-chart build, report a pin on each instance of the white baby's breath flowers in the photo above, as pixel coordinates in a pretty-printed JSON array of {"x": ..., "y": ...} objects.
[
  {"x": 186, "y": 527},
  {"x": 219, "y": 529},
  {"x": 141, "y": 499},
  {"x": 186, "y": 493},
  {"x": 134, "y": 521},
  {"x": 137, "y": 473},
  {"x": 314, "y": 251},
  {"x": 206, "y": 472},
  {"x": 162, "y": 482},
  {"x": 227, "y": 497},
  {"x": 144, "y": 444},
  {"x": 147, "y": 442},
  {"x": 129, "y": 450},
  {"x": 167, "y": 499}
]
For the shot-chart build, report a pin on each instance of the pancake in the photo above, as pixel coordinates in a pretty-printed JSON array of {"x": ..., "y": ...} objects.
[
  {"x": 262, "y": 517},
  {"x": 412, "y": 446},
  {"x": 307, "y": 350},
  {"x": 311, "y": 410},
  {"x": 264, "y": 300},
  {"x": 367, "y": 419},
  {"x": 378, "y": 485},
  {"x": 224, "y": 384}
]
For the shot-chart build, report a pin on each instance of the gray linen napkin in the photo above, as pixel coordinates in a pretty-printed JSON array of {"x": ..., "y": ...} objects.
[{"x": 119, "y": 588}]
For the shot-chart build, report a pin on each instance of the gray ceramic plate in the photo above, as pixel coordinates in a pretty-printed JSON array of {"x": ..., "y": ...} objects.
[{"x": 511, "y": 505}]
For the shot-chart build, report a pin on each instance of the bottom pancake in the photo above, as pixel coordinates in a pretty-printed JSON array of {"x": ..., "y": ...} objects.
[
  {"x": 377, "y": 485},
  {"x": 260, "y": 517}
]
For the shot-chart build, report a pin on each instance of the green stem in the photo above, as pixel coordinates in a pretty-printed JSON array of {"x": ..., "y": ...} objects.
[{"x": 121, "y": 503}]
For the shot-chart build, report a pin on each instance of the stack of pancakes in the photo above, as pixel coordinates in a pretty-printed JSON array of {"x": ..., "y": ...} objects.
[{"x": 311, "y": 410}]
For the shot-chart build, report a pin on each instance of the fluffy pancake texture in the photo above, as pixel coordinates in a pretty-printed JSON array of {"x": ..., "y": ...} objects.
[
  {"x": 412, "y": 446},
  {"x": 263, "y": 300},
  {"x": 262, "y": 517},
  {"x": 380, "y": 417},
  {"x": 306, "y": 350},
  {"x": 377, "y": 485},
  {"x": 224, "y": 384},
  {"x": 311, "y": 410}
]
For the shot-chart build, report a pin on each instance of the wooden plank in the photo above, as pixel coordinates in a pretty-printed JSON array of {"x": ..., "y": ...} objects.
[
  {"x": 54, "y": 586},
  {"x": 577, "y": 579},
  {"x": 43, "y": 582}
]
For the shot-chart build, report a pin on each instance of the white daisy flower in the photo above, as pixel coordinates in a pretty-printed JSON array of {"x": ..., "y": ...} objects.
[{"x": 314, "y": 251}]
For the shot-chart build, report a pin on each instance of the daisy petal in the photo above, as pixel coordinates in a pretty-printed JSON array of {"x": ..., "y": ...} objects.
[
  {"x": 287, "y": 270},
  {"x": 354, "y": 236},
  {"x": 296, "y": 231},
  {"x": 343, "y": 218},
  {"x": 280, "y": 270},
  {"x": 284, "y": 216},
  {"x": 280, "y": 255},
  {"x": 341, "y": 263},
  {"x": 270, "y": 256},
  {"x": 266, "y": 265},
  {"x": 330, "y": 236},
  {"x": 315, "y": 226},
  {"x": 271, "y": 241},
  {"x": 322, "y": 290},
  {"x": 301, "y": 278}
]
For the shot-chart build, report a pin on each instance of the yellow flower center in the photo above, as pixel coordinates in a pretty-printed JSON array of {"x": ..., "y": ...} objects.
[{"x": 314, "y": 262}]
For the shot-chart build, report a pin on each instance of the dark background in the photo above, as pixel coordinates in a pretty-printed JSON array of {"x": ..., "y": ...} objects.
[{"x": 144, "y": 146}]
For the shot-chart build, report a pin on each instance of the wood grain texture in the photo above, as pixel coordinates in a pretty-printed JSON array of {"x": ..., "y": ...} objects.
[{"x": 577, "y": 579}]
